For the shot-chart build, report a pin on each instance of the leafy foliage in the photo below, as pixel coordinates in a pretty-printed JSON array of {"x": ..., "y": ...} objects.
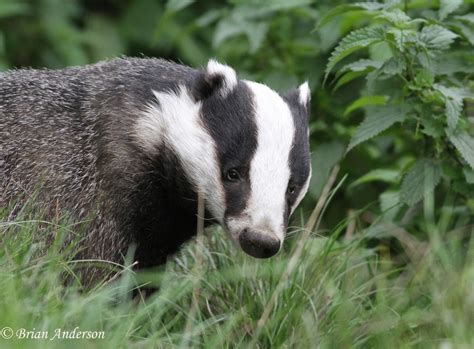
[{"x": 428, "y": 101}]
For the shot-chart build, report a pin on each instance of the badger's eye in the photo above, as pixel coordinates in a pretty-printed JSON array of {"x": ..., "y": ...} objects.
[
  {"x": 291, "y": 189},
  {"x": 232, "y": 175}
]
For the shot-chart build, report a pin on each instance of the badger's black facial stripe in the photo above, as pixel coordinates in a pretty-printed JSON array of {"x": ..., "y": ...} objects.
[
  {"x": 231, "y": 123},
  {"x": 299, "y": 160}
]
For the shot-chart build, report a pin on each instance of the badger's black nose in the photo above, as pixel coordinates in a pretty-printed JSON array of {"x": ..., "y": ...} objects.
[{"x": 259, "y": 245}]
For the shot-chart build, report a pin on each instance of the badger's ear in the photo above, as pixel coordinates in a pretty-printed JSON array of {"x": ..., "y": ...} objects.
[
  {"x": 214, "y": 78},
  {"x": 301, "y": 97},
  {"x": 304, "y": 95}
]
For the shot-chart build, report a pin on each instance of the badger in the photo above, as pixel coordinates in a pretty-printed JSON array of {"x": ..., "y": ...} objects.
[{"x": 128, "y": 144}]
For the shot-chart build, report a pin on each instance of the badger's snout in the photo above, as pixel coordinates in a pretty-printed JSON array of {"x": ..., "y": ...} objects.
[{"x": 259, "y": 244}]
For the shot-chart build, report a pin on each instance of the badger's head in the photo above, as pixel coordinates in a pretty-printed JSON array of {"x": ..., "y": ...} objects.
[{"x": 243, "y": 146}]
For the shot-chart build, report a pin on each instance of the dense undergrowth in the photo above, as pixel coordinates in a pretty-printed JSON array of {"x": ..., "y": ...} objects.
[
  {"x": 390, "y": 264},
  {"x": 341, "y": 290}
]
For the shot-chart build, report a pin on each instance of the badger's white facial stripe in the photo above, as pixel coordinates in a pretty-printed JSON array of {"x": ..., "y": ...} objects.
[
  {"x": 176, "y": 122},
  {"x": 215, "y": 68},
  {"x": 269, "y": 169},
  {"x": 304, "y": 93}
]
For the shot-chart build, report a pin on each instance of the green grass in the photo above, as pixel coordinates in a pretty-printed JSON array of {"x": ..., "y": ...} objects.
[{"x": 340, "y": 293}]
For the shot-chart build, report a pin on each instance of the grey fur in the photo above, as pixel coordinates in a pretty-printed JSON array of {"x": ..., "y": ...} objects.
[{"x": 70, "y": 131}]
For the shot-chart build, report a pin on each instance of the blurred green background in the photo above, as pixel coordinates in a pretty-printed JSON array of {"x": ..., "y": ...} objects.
[{"x": 276, "y": 42}]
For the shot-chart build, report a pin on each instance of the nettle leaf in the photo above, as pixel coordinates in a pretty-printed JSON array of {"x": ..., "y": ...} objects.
[
  {"x": 393, "y": 66},
  {"x": 464, "y": 143},
  {"x": 401, "y": 37},
  {"x": 436, "y": 37},
  {"x": 469, "y": 18},
  {"x": 365, "y": 101},
  {"x": 469, "y": 175},
  {"x": 390, "y": 204},
  {"x": 378, "y": 175},
  {"x": 422, "y": 178},
  {"x": 447, "y": 7},
  {"x": 354, "y": 41},
  {"x": 361, "y": 65},
  {"x": 348, "y": 77},
  {"x": 453, "y": 98},
  {"x": 467, "y": 31},
  {"x": 378, "y": 119},
  {"x": 358, "y": 6},
  {"x": 396, "y": 17},
  {"x": 356, "y": 69}
]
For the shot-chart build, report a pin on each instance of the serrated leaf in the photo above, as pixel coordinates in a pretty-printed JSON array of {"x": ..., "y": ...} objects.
[
  {"x": 358, "y": 6},
  {"x": 380, "y": 175},
  {"x": 447, "y": 7},
  {"x": 464, "y": 143},
  {"x": 453, "y": 112},
  {"x": 436, "y": 37},
  {"x": 396, "y": 16},
  {"x": 361, "y": 64},
  {"x": 393, "y": 66},
  {"x": 354, "y": 41},
  {"x": 422, "y": 178},
  {"x": 466, "y": 30},
  {"x": 466, "y": 18},
  {"x": 378, "y": 119},
  {"x": 402, "y": 37},
  {"x": 365, "y": 101},
  {"x": 348, "y": 77},
  {"x": 453, "y": 98}
]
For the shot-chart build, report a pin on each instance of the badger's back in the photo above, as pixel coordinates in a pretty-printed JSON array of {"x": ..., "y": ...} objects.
[
  {"x": 65, "y": 140},
  {"x": 53, "y": 123}
]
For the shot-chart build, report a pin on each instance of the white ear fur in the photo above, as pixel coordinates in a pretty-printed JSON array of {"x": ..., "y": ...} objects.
[
  {"x": 228, "y": 75},
  {"x": 304, "y": 93}
]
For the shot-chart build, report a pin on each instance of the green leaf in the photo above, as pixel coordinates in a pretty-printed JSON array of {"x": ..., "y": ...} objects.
[
  {"x": 378, "y": 119},
  {"x": 467, "y": 31},
  {"x": 380, "y": 174},
  {"x": 230, "y": 27},
  {"x": 177, "y": 5},
  {"x": 365, "y": 101},
  {"x": 390, "y": 204},
  {"x": 447, "y": 7},
  {"x": 403, "y": 37},
  {"x": 464, "y": 143},
  {"x": 453, "y": 98},
  {"x": 358, "y": 6},
  {"x": 354, "y": 41},
  {"x": 348, "y": 77},
  {"x": 469, "y": 175},
  {"x": 422, "y": 178},
  {"x": 396, "y": 17},
  {"x": 469, "y": 18},
  {"x": 323, "y": 159},
  {"x": 436, "y": 37},
  {"x": 393, "y": 66},
  {"x": 361, "y": 65}
]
